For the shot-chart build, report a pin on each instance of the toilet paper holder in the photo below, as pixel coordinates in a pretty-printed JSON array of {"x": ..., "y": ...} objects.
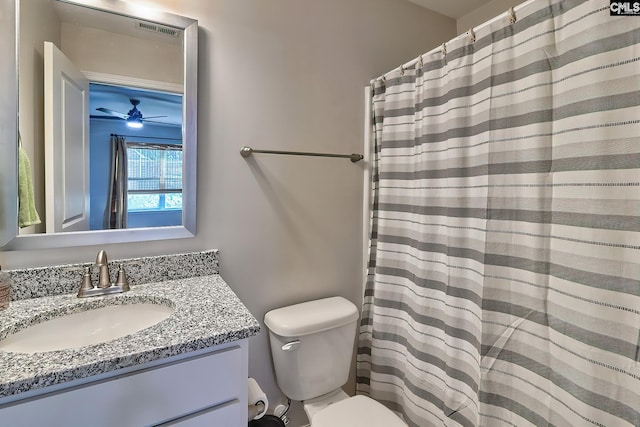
[
  {"x": 256, "y": 409},
  {"x": 257, "y": 401}
]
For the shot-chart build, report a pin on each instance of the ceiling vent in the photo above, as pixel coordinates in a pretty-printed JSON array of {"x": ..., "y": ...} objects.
[{"x": 149, "y": 26}]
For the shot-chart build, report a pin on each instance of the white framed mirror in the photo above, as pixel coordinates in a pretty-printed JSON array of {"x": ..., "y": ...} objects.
[{"x": 103, "y": 94}]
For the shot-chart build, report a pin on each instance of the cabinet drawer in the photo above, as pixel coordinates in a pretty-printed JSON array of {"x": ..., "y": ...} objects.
[
  {"x": 228, "y": 414},
  {"x": 145, "y": 397}
]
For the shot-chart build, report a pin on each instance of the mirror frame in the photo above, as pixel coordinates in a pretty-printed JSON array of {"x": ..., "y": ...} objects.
[{"x": 10, "y": 239}]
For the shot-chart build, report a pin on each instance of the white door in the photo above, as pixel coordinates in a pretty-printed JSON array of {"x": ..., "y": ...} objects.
[{"x": 66, "y": 123}]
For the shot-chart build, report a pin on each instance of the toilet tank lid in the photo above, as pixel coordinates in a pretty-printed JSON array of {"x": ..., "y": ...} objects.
[{"x": 311, "y": 317}]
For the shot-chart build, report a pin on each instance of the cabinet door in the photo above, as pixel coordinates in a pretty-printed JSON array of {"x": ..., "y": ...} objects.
[{"x": 146, "y": 397}]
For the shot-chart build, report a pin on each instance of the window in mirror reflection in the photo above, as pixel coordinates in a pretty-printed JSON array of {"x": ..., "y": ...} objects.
[{"x": 154, "y": 177}]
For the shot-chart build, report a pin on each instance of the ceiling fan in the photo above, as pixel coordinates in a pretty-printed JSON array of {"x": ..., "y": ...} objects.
[{"x": 134, "y": 117}]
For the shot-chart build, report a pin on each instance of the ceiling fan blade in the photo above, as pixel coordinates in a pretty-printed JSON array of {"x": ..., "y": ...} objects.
[
  {"x": 113, "y": 113},
  {"x": 102, "y": 117},
  {"x": 152, "y": 117},
  {"x": 160, "y": 123}
]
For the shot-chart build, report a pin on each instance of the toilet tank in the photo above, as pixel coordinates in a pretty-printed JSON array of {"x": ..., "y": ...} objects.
[{"x": 312, "y": 345}]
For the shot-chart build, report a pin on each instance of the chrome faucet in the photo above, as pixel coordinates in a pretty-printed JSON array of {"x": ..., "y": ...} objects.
[{"x": 104, "y": 287}]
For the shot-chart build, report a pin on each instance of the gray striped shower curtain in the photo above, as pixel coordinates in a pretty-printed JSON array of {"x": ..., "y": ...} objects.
[{"x": 504, "y": 274}]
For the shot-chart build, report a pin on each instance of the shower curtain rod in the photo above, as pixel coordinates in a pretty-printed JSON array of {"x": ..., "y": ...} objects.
[
  {"x": 147, "y": 137},
  {"x": 468, "y": 33},
  {"x": 247, "y": 151}
]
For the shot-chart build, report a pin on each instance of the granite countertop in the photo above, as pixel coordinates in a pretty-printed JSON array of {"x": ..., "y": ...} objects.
[{"x": 206, "y": 313}]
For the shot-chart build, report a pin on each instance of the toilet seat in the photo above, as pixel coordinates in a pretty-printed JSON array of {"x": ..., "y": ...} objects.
[{"x": 356, "y": 411}]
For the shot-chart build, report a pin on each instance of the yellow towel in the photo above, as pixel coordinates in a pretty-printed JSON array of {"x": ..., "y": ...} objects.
[{"x": 27, "y": 214}]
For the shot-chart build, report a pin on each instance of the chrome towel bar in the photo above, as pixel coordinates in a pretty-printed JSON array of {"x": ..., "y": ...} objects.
[{"x": 248, "y": 151}]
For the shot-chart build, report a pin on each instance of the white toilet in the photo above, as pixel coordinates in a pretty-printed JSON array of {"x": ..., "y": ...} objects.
[{"x": 312, "y": 346}]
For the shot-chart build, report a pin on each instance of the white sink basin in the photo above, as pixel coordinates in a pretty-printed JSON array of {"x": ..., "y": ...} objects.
[{"x": 85, "y": 328}]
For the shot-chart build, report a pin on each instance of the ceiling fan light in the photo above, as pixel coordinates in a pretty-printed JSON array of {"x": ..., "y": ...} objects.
[{"x": 135, "y": 124}]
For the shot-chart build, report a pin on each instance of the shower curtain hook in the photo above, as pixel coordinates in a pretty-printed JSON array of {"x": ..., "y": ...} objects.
[
  {"x": 444, "y": 49},
  {"x": 512, "y": 15},
  {"x": 472, "y": 35},
  {"x": 420, "y": 62},
  {"x": 402, "y": 70}
]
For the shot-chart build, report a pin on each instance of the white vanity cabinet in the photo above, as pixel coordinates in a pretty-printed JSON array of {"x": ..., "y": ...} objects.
[{"x": 203, "y": 388}]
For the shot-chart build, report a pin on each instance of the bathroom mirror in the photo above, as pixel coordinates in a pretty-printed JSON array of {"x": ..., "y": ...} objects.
[{"x": 130, "y": 66}]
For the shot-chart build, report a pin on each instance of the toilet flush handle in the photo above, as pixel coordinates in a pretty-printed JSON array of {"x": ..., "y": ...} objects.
[{"x": 291, "y": 345}]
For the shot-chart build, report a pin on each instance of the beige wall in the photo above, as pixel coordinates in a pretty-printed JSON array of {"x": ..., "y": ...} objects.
[
  {"x": 97, "y": 50},
  {"x": 281, "y": 74},
  {"x": 37, "y": 23},
  {"x": 484, "y": 13}
]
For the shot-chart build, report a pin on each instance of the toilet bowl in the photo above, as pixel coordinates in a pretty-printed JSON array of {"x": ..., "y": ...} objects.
[
  {"x": 340, "y": 410},
  {"x": 312, "y": 345}
]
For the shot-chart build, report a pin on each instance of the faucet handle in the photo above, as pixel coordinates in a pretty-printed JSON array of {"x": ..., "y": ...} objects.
[
  {"x": 86, "y": 282},
  {"x": 122, "y": 280}
]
